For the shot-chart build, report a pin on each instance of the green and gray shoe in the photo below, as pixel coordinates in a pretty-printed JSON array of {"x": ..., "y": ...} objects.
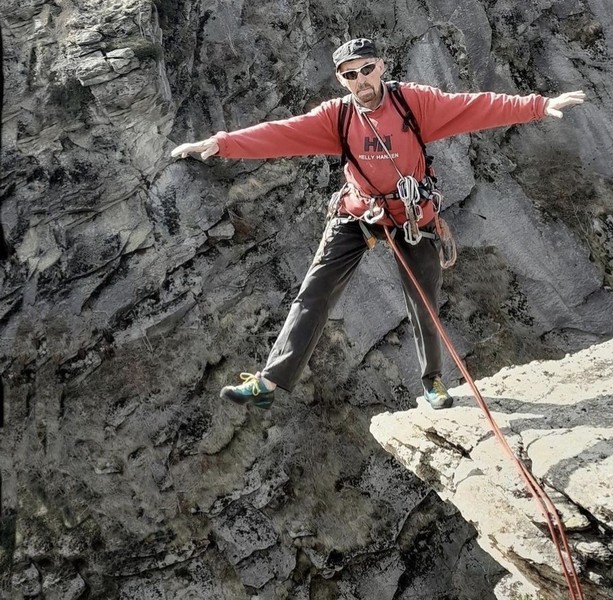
[
  {"x": 251, "y": 391},
  {"x": 438, "y": 396}
]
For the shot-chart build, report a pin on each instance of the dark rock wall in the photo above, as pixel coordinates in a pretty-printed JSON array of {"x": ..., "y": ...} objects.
[{"x": 137, "y": 286}]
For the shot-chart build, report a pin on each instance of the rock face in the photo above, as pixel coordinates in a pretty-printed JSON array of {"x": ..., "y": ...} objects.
[
  {"x": 137, "y": 286},
  {"x": 556, "y": 416}
]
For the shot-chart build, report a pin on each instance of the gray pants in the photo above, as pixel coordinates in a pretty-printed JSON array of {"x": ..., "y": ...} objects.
[{"x": 339, "y": 253}]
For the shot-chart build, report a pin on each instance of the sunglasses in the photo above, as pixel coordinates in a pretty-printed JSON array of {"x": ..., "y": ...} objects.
[{"x": 352, "y": 74}]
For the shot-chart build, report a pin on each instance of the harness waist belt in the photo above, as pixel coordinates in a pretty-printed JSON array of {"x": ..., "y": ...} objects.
[
  {"x": 392, "y": 196},
  {"x": 353, "y": 205}
]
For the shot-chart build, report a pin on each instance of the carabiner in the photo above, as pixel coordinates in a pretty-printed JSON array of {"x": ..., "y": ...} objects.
[
  {"x": 407, "y": 189},
  {"x": 374, "y": 213},
  {"x": 437, "y": 200},
  {"x": 408, "y": 234},
  {"x": 376, "y": 216}
]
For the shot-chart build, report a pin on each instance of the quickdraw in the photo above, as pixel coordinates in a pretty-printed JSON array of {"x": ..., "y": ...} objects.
[{"x": 408, "y": 191}]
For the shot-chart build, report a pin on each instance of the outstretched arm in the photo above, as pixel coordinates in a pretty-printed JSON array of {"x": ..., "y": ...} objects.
[
  {"x": 441, "y": 115},
  {"x": 312, "y": 133},
  {"x": 554, "y": 106}
]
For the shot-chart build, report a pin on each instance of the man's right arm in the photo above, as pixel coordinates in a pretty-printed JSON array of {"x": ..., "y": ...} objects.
[{"x": 312, "y": 133}]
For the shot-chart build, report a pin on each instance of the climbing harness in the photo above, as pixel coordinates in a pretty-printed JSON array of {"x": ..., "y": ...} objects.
[
  {"x": 408, "y": 192},
  {"x": 414, "y": 205},
  {"x": 548, "y": 509}
]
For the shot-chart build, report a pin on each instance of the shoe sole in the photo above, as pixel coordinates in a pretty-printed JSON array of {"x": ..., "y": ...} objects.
[
  {"x": 262, "y": 401},
  {"x": 438, "y": 405}
]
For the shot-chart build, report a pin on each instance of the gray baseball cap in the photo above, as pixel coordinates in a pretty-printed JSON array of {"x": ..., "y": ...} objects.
[{"x": 358, "y": 48}]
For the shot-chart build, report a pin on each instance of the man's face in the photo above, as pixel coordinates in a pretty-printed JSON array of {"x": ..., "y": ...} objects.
[{"x": 366, "y": 88}]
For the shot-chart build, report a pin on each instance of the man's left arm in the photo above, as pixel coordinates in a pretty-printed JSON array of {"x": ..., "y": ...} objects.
[
  {"x": 554, "y": 106},
  {"x": 442, "y": 115}
]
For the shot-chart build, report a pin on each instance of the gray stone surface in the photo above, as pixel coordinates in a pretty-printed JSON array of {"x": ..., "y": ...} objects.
[{"x": 139, "y": 285}]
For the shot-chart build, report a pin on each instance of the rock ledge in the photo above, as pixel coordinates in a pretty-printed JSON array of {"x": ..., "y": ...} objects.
[{"x": 557, "y": 416}]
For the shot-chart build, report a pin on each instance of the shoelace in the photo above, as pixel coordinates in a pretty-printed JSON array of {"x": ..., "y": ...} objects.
[{"x": 253, "y": 381}]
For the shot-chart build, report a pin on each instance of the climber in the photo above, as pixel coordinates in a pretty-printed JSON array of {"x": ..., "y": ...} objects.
[{"x": 388, "y": 176}]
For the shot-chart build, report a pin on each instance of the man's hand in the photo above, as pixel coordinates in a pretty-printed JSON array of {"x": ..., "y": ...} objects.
[
  {"x": 554, "y": 106},
  {"x": 205, "y": 148}
]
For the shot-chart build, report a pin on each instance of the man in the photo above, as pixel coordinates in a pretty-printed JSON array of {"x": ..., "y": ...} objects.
[{"x": 387, "y": 183}]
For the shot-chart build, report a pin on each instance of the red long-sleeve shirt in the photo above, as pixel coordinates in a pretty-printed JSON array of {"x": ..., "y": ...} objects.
[{"x": 438, "y": 114}]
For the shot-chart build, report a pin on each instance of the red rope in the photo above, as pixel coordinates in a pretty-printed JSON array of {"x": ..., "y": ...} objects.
[{"x": 554, "y": 523}]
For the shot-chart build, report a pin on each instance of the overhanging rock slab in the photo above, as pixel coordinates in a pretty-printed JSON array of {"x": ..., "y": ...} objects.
[{"x": 557, "y": 417}]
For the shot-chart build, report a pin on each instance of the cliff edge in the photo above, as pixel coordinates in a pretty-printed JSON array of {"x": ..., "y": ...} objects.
[{"x": 557, "y": 416}]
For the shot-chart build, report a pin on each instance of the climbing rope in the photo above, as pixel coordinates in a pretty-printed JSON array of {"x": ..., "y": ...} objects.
[{"x": 554, "y": 523}]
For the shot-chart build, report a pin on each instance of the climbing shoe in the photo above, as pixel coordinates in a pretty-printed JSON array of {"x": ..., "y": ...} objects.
[
  {"x": 438, "y": 396},
  {"x": 251, "y": 391}
]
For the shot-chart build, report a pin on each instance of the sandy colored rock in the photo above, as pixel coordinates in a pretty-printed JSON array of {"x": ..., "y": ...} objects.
[{"x": 556, "y": 416}]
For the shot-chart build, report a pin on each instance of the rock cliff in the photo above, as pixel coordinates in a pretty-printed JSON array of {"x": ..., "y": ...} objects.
[
  {"x": 137, "y": 286},
  {"x": 557, "y": 417}
]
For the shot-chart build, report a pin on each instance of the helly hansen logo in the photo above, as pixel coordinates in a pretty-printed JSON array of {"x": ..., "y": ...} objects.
[{"x": 374, "y": 145}]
